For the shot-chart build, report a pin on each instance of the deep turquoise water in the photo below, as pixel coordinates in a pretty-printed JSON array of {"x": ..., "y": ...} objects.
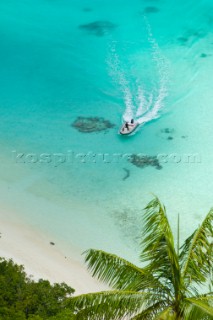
[{"x": 150, "y": 59}]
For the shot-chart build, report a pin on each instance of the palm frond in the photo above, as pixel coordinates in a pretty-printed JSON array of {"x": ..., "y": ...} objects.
[
  {"x": 151, "y": 312},
  {"x": 158, "y": 246},
  {"x": 166, "y": 314},
  {"x": 199, "y": 309},
  {"x": 158, "y": 290},
  {"x": 196, "y": 254},
  {"x": 119, "y": 273},
  {"x": 110, "y": 305}
]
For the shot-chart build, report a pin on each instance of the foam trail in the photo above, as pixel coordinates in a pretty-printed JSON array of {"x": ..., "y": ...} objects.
[
  {"x": 149, "y": 104},
  {"x": 162, "y": 66},
  {"x": 118, "y": 76},
  {"x": 142, "y": 102},
  {"x": 144, "y": 105},
  {"x": 154, "y": 112}
]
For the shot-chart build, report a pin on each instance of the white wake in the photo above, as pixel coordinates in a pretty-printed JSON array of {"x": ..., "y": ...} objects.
[
  {"x": 153, "y": 107},
  {"x": 119, "y": 77},
  {"x": 143, "y": 106}
]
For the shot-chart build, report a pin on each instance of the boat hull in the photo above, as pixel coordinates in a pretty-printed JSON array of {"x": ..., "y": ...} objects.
[{"x": 131, "y": 128}]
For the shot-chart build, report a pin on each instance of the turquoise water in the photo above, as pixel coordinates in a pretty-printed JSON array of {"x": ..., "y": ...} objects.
[{"x": 146, "y": 59}]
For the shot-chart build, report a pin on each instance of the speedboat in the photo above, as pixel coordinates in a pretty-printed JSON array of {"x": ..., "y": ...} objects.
[{"x": 128, "y": 127}]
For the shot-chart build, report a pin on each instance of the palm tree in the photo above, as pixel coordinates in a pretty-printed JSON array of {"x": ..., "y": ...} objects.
[{"x": 166, "y": 288}]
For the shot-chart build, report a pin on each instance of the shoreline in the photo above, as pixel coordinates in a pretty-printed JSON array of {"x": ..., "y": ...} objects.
[{"x": 41, "y": 259}]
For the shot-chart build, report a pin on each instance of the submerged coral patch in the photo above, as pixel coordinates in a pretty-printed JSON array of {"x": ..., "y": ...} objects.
[
  {"x": 167, "y": 133},
  {"x": 170, "y": 138},
  {"x": 191, "y": 36},
  {"x": 204, "y": 55},
  {"x": 167, "y": 130},
  {"x": 151, "y": 10},
  {"x": 92, "y": 124},
  {"x": 98, "y": 28},
  {"x": 143, "y": 161},
  {"x": 182, "y": 40},
  {"x": 197, "y": 33},
  {"x": 87, "y": 9}
]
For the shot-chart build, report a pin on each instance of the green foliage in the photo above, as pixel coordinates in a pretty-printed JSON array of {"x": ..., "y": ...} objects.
[
  {"x": 196, "y": 255},
  {"x": 22, "y": 298},
  {"x": 166, "y": 288}
]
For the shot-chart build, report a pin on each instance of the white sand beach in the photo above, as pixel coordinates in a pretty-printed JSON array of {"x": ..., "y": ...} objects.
[{"x": 43, "y": 260}]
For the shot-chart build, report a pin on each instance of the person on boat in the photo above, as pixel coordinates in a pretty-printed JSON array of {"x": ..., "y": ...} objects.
[
  {"x": 132, "y": 121},
  {"x": 127, "y": 125}
]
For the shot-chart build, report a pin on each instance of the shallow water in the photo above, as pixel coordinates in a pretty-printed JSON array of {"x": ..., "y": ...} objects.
[{"x": 113, "y": 59}]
